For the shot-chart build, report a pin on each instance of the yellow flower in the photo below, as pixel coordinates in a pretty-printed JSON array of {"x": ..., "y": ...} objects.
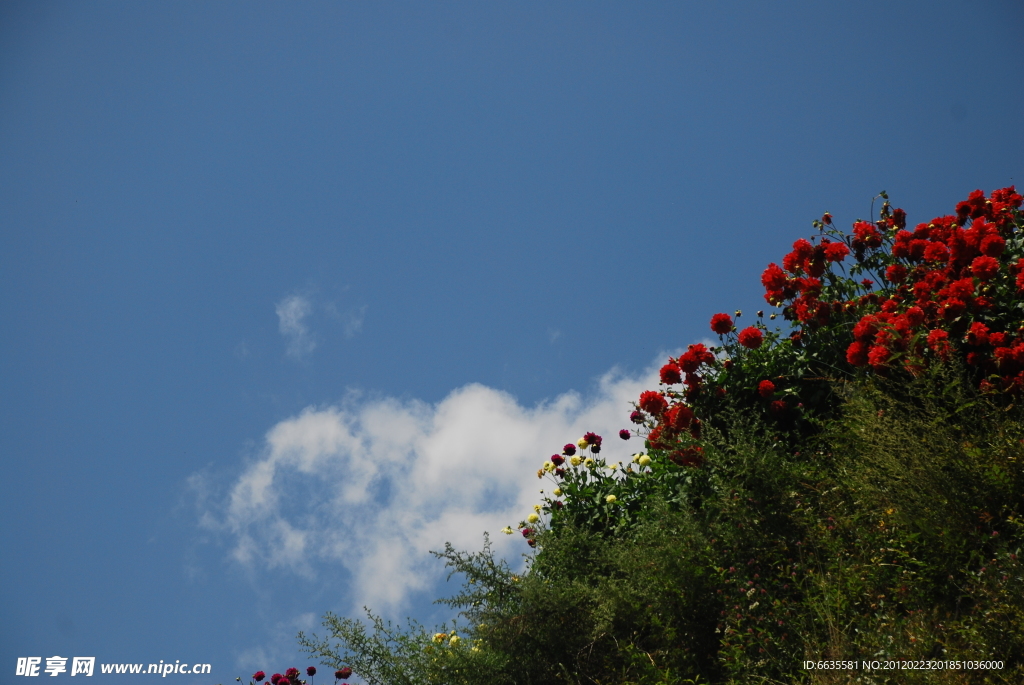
[
  {"x": 536, "y": 507},
  {"x": 589, "y": 463},
  {"x": 440, "y": 637},
  {"x": 549, "y": 467},
  {"x": 575, "y": 461},
  {"x": 557, "y": 492},
  {"x": 533, "y": 518},
  {"x": 455, "y": 640},
  {"x": 540, "y": 473},
  {"x": 644, "y": 460},
  {"x": 507, "y": 530},
  {"x": 636, "y": 457},
  {"x": 582, "y": 442},
  {"x": 610, "y": 499}
]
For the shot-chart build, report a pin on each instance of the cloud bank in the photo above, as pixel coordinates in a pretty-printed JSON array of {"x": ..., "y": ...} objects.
[{"x": 373, "y": 485}]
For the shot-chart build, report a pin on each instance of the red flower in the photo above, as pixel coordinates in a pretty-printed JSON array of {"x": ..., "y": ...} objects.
[
  {"x": 679, "y": 417},
  {"x": 691, "y": 456},
  {"x": 311, "y": 671},
  {"x": 803, "y": 249},
  {"x": 291, "y": 673},
  {"x": 592, "y": 439},
  {"x": 878, "y": 357},
  {"x": 259, "y": 676},
  {"x": 343, "y": 673},
  {"x": 938, "y": 341},
  {"x": 653, "y": 402},
  {"x": 977, "y": 334},
  {"x": 835, "y": 252},
  {"x": 992, "y": 245},
  {"x": 636, "y": 417},
  {"x": 826, "y": 219},
  {"x": 722, "y": 323},
  {"x": 773, "y": 278},
  {"x": 952, "y": 308},
  {"x": 695, "y": 356},
  {"x": 985, "y": 267},
  {"x": 936, "y": 252},
  {"x": 670, "y": 374},
  {"x": 897, "y": 273},
  {"x": 751, "y": 338},
  {"x": 777, "y": 406},
  {"x": 766, "y": 388},
  {"x": 915, "y": 316},
  {"x": 899, "y": 218},
  {"x": 527, "y": 532},
  {"x": 866, "y": 235},
  {"x": 857, "y": 353},
  {"x": 624, "y": 434},
  {"x": 557, "y": 459},
  {"x": 569, "y": 449},
  {"x": 973, "y": 207},
  {"x": 276, "y": 678}
]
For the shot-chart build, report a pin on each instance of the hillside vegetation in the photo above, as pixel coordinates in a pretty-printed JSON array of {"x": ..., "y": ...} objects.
[{"x": 846, "y": 488}]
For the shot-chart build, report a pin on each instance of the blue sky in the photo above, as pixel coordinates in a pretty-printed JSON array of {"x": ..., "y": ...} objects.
[{"x": 293, "y": 293}]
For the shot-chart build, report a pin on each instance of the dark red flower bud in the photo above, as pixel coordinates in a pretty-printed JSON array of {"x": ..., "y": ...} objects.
[
  {"x": 259, "y": 676},
  {"x": 624, "y": 434},
  {"x": 311, "y": 671}
]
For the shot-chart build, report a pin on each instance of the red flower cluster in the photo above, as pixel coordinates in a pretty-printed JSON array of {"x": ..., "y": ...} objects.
[
  {"x": 945, "y": 277},
  {"x": 951, "y": 287}
]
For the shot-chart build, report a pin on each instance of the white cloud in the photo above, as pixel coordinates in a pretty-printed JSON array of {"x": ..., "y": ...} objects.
[
  {"x": 291, "y": 314},
  {"x": 373, "y": 485},
  {"x": 354, "y": 321}
]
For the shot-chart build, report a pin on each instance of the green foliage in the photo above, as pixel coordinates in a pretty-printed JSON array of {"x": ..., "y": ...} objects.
[{"x": 893, "y": 532}]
